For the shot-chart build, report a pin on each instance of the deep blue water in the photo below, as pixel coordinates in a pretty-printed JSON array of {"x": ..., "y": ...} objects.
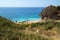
[{"x": 21, "y": 13}]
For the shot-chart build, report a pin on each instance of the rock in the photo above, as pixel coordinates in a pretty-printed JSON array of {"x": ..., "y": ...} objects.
[{"x": 51, "y": 12}]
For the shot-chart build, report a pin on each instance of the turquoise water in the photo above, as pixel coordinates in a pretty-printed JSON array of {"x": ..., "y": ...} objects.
[
  {"x": 21, "y": 13},
  {"x": 25, "y": 19}
]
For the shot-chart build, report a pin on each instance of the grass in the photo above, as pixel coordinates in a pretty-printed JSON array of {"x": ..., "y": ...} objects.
[{"x": 11, "y": 31}]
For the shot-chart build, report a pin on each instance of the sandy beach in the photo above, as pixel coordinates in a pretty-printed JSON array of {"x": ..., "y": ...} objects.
[
  {"x": 34, "y": 21},
  {"x": 31, "y": 21}
]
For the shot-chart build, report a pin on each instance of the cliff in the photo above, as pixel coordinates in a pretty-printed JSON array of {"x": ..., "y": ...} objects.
[{"x": 51, "y": 12}]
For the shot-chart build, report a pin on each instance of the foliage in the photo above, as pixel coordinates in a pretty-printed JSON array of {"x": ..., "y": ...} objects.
[{"x": 10, "y": 31}]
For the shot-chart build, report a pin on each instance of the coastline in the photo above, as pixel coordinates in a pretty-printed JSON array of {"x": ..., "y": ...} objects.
[
  {"x": 30, "y": 21},
  {"x": 34, "y": 21}
]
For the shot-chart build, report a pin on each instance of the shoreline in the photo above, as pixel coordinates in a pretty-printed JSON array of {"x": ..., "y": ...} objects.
[
  {"x": 30, "y": 21},
  {"x": 34, "y": 21}
]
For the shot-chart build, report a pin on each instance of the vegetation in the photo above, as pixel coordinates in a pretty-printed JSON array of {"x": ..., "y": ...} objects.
[{"x": 11, "y": 31}]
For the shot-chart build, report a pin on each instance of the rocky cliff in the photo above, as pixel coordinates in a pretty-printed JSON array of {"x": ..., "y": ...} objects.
[{"x": 51, "y": 12}]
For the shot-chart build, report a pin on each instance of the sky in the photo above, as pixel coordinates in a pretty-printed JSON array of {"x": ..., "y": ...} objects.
[{"x": 28, "y": 3}]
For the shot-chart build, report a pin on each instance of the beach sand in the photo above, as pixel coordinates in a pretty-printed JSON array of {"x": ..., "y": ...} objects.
[
  {"x": 34, "y": 21},
  {"x": 29, "y": 22}
]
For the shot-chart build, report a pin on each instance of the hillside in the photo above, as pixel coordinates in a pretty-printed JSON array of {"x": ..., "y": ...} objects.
[{"x": 34, "y": 31}]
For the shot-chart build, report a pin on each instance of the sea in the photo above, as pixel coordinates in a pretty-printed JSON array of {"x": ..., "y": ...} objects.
[{"x": 20, "y": 14}]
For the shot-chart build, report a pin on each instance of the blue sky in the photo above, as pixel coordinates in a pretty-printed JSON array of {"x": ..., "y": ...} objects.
[{"x": 28, "y": 3}]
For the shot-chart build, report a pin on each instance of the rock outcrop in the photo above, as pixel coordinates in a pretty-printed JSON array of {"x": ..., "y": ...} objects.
[{"x": 51, "y": 13}]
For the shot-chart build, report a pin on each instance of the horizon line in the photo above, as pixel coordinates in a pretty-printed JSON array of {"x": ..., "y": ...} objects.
[{"x": 6, "y": 6}]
